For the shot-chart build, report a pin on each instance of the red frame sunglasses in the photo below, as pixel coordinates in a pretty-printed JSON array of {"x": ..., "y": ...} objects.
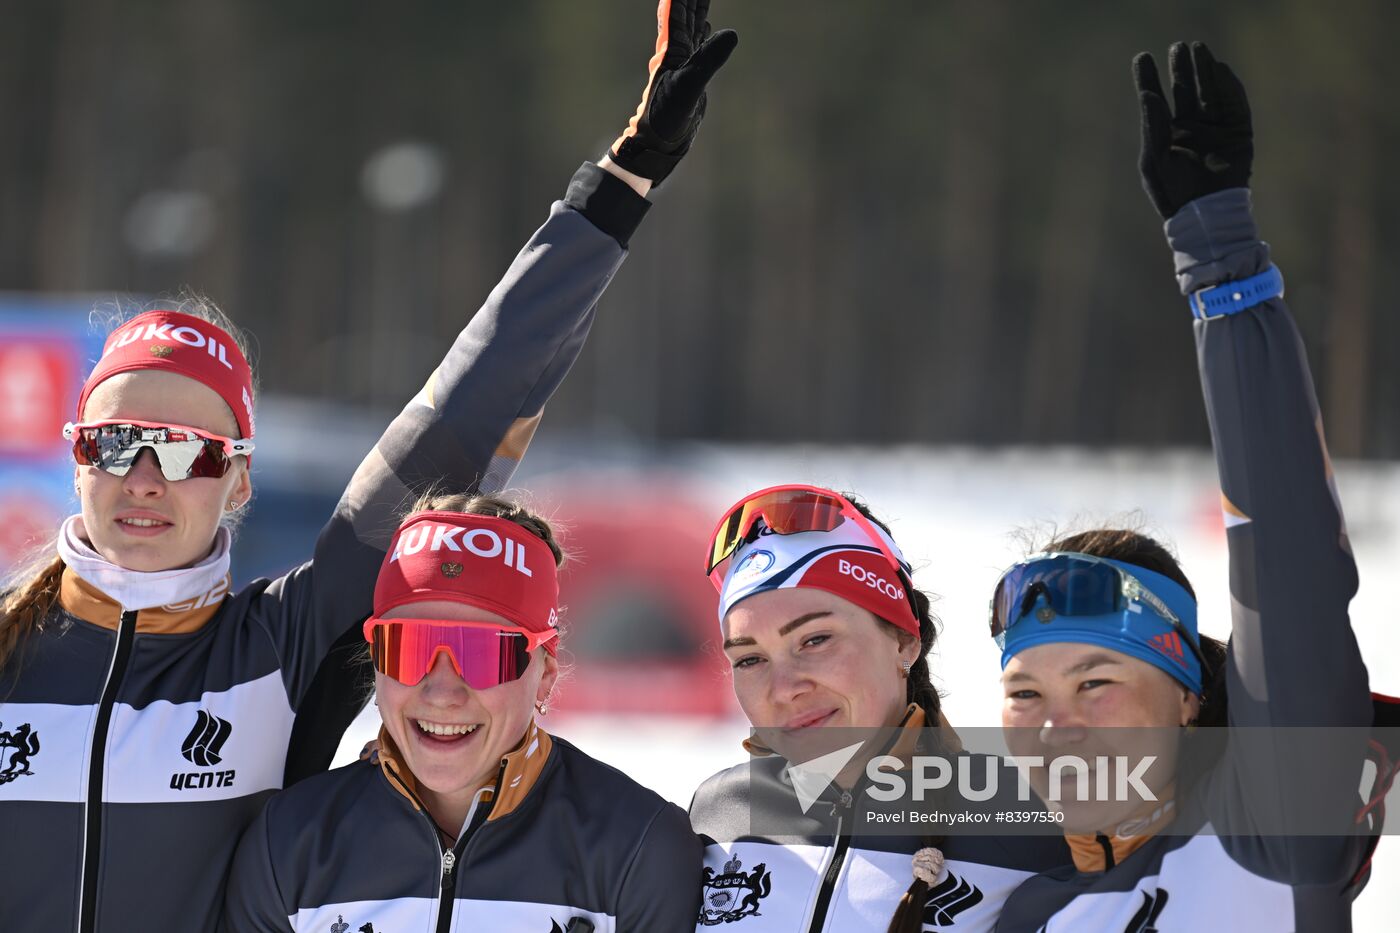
[
  {"x": 484, "y": 654},
  {"x": 788, "y": 509}
]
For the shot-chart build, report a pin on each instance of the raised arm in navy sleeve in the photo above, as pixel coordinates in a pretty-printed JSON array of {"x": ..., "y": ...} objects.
[
  {"x": 466, "y": 431},
  {"x": 1294, "y": 660}
]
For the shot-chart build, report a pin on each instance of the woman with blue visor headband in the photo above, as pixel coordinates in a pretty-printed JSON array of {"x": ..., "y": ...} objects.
[
  {"x": 1267, "y": 825},
  {"x": 1101, "y": 657},
  {"x": 1099, "y": 601}
]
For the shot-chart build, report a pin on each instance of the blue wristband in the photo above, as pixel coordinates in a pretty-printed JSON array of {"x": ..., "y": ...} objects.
[{"x": 1234, "y": 297}]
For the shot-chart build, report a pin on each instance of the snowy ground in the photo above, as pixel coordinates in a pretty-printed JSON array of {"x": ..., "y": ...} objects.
[{"x": 952, "y": 512}]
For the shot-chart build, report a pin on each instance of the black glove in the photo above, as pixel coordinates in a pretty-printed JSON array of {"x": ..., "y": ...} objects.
[
  {"x": 1208, "y": 145},
  {"x": 673, "y": 102}
]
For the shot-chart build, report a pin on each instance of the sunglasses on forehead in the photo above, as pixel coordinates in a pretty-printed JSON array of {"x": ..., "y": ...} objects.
[
  {"x": 484, "y": 654},
  {"x": 788, "y": 510},
  {"x": 1072, "y": 585},
  {"x": 182, "y": 452}
]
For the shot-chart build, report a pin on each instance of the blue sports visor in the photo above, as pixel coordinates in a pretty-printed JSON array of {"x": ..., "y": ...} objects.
[{"x": 1058, "y": 597}]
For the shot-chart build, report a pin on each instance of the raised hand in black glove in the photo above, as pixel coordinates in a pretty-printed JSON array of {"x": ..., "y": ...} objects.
[
  {"x": 1208, "y": 145},
  {"x": 673, "y": 102}
]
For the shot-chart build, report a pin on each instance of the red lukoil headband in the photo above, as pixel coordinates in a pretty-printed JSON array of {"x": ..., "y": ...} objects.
[
  {"x": 480, "y": 560},
  {"x": 184, "y": 344}
]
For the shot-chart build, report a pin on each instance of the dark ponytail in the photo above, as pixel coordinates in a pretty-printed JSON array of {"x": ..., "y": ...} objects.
[
  {"x": 920, "y": 688},
  {"x": 909, "y": 915}
]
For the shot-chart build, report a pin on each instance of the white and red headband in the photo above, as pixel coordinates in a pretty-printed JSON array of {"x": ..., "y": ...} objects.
[
  {"x": 491, "y": 563},
  {"x": 843, "y": 561},
  {"x": 184, "y": 344}
]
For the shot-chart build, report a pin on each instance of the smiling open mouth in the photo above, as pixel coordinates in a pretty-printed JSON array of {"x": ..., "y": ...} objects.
[
  {"x": 142, "y": 525},
  {"x": 443, "y": 730}
]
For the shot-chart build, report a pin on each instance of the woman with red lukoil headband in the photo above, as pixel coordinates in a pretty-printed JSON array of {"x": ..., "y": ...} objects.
[
  {"x": 828, "y": 641},
  {"x": 147, "y": 709},
  {"x": 470, "y": 816}
]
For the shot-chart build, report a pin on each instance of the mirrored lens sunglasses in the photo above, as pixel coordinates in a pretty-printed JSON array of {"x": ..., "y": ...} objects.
[
  {"x": 181, "y": 451},
  {"x": 483, "y": 654},
  {"x": 1074, "y": 585},
  {"x": 788, "y": 510}
]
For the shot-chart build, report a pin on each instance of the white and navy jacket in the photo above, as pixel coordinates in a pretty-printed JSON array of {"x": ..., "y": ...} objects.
[
  {"x": 1293, "y": 659},
  {"x": 557, "y": 842},
  {"x": 820, "y": 877},
  {"x": 151, "y": 740}
]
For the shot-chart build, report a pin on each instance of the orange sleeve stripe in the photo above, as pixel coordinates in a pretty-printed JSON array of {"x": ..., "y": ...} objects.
[
  {"x": 518, "y": 437},
  {"x": 1231, "y": 510}
]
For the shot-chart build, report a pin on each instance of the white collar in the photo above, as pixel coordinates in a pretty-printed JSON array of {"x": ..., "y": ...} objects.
[{"x": 139, "y": 589}]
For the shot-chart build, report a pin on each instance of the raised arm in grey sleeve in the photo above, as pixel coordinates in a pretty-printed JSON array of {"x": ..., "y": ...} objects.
[
  {"x": 469, "y": 426},
  {"x": 1294, "y": 660}
]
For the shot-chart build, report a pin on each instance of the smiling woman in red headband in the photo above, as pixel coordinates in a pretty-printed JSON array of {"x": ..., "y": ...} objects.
[
  {"x": 147, "y": 709},
  {"x": 470, "y": 816}
]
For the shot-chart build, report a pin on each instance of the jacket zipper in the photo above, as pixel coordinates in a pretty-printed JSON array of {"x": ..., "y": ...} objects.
[
  {"x": 97, "y": 755},
  {"x": 449, "y": 862},
  {"x": 450, "y": 858},
  {"x": 833, "y": 868},
  {"x": 832, "y": 873}
]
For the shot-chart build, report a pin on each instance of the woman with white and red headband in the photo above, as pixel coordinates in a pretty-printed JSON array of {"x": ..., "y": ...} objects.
[
  {"x": 470, "y": 816},
  {"x": 146, "y": 708},
  {"x": 828, "y": 640}
]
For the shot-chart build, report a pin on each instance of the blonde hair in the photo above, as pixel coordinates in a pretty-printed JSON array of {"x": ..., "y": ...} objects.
[{"x": 25, "y": 605}]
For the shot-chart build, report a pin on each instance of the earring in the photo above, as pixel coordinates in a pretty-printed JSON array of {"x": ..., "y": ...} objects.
[
  {"x": 906, "y": 666},
  {"x": 542, "y": 707},
  {"x": 233, "y": 505}
]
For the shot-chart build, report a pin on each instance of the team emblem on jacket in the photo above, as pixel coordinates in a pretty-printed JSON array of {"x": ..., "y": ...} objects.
[
  {"x": 734, "y": 894},
  {"x": 203, "y": 746},
  {"x": 1145, "y": 920},
  {"x": 948, "y": 898},
  {"x": 340, "y": 926},
  {"x": 16, "y": 748},
  {"x": 206, "y": 740}
]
